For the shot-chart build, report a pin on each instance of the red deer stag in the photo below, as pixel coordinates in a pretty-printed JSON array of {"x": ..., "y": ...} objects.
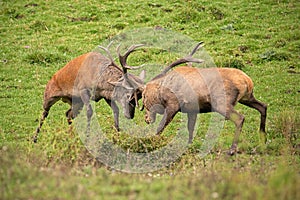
[
  {"x": 200, "y": 90},
  {"x": 93, "y": 76}
]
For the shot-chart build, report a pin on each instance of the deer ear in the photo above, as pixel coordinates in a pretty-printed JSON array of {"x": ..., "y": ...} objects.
[{"x": 142, "y": 75}]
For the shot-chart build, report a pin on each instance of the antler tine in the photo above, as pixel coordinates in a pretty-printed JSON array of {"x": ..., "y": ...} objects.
[
  {"x": 123, "y": 58},
  {"x": 186, "y": 59},
  {"x": 197, "y": 48},
  {"x": 108, "y": 53},
  {"x": 135, "y": 67}
]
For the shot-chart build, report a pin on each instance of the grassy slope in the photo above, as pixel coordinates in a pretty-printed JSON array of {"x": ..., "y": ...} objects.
[{"x": 39, "y": 37}]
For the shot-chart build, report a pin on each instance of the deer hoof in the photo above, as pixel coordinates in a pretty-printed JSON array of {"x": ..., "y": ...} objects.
[{"x": 231, "y": 152}]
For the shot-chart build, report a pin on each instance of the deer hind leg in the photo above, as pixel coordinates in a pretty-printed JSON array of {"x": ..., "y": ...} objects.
[
  {"x": 192, "y": 117},
  {"x": 115, "y": 110},
  {"x": 47, "y": 105},
  {"x": 75, "y": 109},
  {"x": 262, "y": 108},
  {"x": 69, "y": 115}
]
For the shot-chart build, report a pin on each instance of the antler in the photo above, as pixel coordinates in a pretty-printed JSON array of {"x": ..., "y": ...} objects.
[
  {"x": 123, "y": 58},
  {"x": 186, "y": 59},
  {"x": 197, "y": 47},
  {"x": 109, "y": 54}
]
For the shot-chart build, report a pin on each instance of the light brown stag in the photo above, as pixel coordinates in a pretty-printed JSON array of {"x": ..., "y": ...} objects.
[{"x": 200, "y": 90}]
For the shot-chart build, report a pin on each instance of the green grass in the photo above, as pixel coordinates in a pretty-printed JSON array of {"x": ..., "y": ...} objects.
[{"x": 261, "y": 38}]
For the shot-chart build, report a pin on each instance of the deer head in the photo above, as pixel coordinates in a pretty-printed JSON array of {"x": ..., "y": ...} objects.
[{"x": 128, "y": 89}]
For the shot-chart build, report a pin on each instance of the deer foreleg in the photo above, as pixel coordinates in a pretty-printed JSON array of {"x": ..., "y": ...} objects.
[
  {"x": 167, "y": 118},
  {"x": 238, "y": 120},
  {"x": 85, "y": 97},
  {"x": 115, "y": 110}
]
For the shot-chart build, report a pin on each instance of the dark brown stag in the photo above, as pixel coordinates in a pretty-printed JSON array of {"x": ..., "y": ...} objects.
[{"x": 93, "y": 76}]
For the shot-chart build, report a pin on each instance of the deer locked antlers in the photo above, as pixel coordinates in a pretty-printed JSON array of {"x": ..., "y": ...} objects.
[{"x": 122, "y": 59}]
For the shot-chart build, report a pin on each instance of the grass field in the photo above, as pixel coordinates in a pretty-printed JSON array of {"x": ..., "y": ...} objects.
[{"x": 262, "y": 38}]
